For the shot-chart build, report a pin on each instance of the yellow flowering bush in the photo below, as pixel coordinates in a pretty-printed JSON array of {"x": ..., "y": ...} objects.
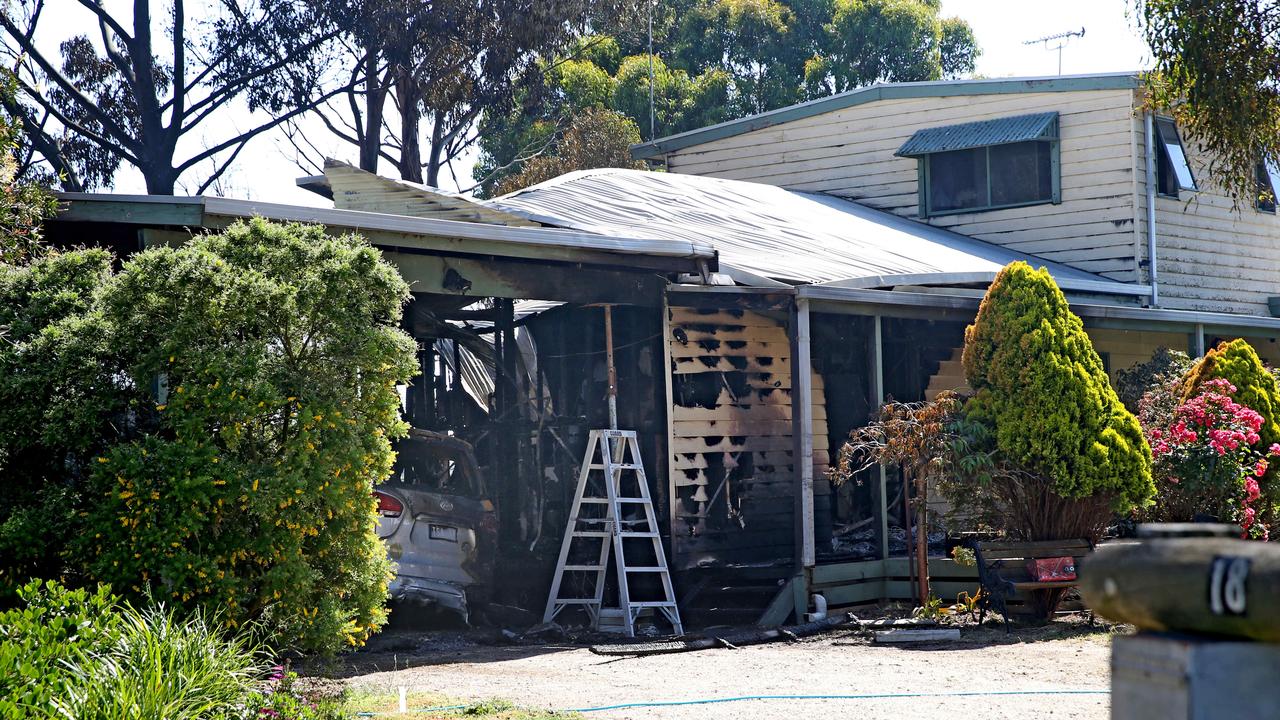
[{"x": 270, "y": 354}]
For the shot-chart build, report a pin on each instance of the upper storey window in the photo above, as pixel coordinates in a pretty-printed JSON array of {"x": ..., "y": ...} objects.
[
  {"x": 1173, "y": 173},
  {"x": 1002, "y": 163}
]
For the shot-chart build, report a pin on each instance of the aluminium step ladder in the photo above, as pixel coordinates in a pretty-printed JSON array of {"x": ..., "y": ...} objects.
[{"x": 625, "y": 487}]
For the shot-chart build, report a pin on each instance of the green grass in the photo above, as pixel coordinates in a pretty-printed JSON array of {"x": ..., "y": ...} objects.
[{"x": 386, "y": 704}]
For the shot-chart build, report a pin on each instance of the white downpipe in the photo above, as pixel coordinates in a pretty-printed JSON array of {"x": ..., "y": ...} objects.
[
  {"x": 1151, "y": 209},
  {"x": 819, "y": 608}
]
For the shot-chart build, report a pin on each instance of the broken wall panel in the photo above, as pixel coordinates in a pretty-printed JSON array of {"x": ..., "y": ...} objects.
[{"x": 733, "y": 475}]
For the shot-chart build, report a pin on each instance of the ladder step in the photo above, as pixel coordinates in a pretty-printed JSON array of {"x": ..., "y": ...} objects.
[
  {"x": 584, "y": 567},
  {"x": 605, "y": 501},
  {"x": 630, "y": 533},
  {"x": 617, "y": 466},
  {"x": 654, "y": 604},
  {"x": 644, "y": 569},
  {"x": 591, "y": 533},
  {"x": 577, "y": 601}
]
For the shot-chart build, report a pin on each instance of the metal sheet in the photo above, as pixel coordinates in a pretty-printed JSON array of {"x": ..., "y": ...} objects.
[
  {"x": 780, "y": 234},
  {"x": 962, "y": 136}
]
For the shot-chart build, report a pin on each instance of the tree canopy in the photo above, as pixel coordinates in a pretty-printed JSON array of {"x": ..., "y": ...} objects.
[
  {"x": 157, "y": 80},
  {"x": 716, "y": 60},
  {"x": 1217, "y": 69}
]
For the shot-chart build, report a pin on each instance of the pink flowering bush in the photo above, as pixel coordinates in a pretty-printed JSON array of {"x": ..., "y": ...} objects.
[{"x": 1206, "y": 457}]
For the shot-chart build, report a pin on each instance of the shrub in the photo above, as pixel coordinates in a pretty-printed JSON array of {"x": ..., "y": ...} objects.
[
  {"x": 160, "y": 666},
  {"x": 1165, "y": 366},
  {"x": 273, "y": 352},
  {"x": 81, "y": 654},
  {"x": 1206, "y": 463},
  {"x": 59, "y": 403},
  {"x": 1256, "y": 388},
  {"x": 51, "y": 626},
  {"x": 1044, "y": 401}
]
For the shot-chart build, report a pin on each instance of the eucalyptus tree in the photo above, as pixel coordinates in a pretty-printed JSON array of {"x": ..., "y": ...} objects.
[
  {"x": 1217, "y": 69},
  {"x": 154, "y": 86}
]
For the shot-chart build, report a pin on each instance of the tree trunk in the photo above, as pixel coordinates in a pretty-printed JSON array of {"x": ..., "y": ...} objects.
[
  {"x": 410, "y": 124},
  {"x": 374, "y": 102}
]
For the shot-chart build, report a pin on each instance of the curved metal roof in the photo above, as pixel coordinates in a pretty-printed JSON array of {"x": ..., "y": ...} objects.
[{"x": 768, "y": 235}]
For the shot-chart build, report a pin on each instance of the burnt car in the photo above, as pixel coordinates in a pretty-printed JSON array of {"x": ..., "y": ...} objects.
[{"x": 438, "y": 523}]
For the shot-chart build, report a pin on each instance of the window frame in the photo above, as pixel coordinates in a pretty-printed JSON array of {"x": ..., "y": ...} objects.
[
  {"x": 1271, "y": 171},
  {"x": 1159, "y": 122},
  {"x": 925, "y": 186}
]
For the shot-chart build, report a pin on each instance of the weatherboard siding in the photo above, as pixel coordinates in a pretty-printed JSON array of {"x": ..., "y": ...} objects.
[
  {"x": 849, "y": 153},
  {"x": 1209, "y": 255}
]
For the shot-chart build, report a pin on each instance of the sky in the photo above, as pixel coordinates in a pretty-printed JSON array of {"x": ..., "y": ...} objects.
[{"x": 266, "y": 170}]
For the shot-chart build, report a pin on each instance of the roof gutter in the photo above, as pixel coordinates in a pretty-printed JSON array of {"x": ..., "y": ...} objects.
[
  {"x": 1184, "y": 320},
  {"x": 1101, "y": 287}
]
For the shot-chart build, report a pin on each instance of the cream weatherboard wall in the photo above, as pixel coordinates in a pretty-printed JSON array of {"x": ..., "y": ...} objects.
[
  {"x": 849, "y": 153},
  {"x": 1210, "y": 257}
]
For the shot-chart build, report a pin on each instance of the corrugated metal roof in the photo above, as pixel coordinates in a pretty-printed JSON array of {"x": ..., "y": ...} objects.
[
  {"x": 767, "y": 232},
  {"x": 982, "y": 133}
]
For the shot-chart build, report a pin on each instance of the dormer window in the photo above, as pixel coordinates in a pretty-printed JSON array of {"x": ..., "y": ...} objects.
[
  {"x": 1268, "y": 176},
  {"x": 987, "y": 165},
  {"x": 1173, "y": 173}
]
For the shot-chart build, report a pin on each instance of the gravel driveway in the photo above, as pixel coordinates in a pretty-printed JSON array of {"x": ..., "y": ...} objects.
[{"x": 1061, "y": 657}]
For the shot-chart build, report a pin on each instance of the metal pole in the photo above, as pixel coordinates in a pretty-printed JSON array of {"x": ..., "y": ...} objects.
[
  {"x": 652, "y": 122},
  {"x": 1152, "y": 275},
  {"x": 613, "y": 371}
]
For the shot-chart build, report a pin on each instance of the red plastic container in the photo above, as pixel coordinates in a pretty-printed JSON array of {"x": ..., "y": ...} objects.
[{"x": 1059, "y": 569}]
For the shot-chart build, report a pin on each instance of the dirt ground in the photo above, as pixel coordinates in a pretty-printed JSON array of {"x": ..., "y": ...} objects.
[{"x": 1064, "y": 656}]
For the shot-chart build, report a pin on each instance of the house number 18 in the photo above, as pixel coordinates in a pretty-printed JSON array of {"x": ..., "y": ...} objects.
[{"x": 1227, "y": 585}]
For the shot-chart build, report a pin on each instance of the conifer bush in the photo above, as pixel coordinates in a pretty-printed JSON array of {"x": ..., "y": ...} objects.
[
  {"x": 1043, "y": 401},
  {"x": 263, "y": 363}
]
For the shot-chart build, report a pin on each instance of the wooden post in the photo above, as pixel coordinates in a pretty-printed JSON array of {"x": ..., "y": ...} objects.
[
  {"x": 922, "y": 541},
  {"x": 878, "y": 378},
  {"x": 612, "y": 369},
  {"x": 1218, "y": 586},
  {"x": 802, "y": 409}
]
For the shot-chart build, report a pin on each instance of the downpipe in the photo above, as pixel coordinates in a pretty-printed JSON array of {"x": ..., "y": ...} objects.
[{"x": 1152, "y": 273}]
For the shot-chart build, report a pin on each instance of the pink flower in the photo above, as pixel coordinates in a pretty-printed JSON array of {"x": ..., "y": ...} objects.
[
  {"x": 1251, "y": 490},
  {"x": 1260, "y": 469},
  {"x": 1274, "y": 449}
]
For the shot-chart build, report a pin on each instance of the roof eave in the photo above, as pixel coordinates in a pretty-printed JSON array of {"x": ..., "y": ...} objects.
[{"x": 393, "y": 230}]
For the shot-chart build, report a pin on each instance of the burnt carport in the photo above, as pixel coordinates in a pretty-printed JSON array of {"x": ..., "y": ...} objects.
[{"x": 524, "y": 405}]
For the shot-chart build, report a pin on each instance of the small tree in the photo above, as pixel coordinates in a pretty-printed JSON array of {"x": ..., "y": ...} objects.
[
  {"x": 1043, "y": 396},
  {"x": 921, "y": 440},
  {"x": 272, "y": 354}
]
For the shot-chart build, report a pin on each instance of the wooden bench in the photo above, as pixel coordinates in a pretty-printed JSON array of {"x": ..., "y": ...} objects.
[{"x": 1003, "y": 573}]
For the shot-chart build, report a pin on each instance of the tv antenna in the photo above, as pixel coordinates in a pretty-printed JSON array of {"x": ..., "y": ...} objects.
[{"x": 1062, "y": 40}]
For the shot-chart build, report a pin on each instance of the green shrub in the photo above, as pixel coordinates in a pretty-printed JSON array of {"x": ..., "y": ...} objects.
[
  {"x": 1165, "y": 366},
  {"x": 1042, "y": 393},
  {"x": 274, "y": 352},
  {"x": 1256, "y": 388},
  {"x": 60, "y": 402},
  {"x": 51, "y": 626},
  {"x": 160, "y": 666}
]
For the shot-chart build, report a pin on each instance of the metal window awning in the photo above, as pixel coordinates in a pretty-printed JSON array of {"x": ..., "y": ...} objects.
[{"x": 1019, "y": 128}]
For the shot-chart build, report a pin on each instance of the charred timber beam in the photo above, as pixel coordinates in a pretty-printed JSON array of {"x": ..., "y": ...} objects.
[{"x": 502, "y": 278}]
